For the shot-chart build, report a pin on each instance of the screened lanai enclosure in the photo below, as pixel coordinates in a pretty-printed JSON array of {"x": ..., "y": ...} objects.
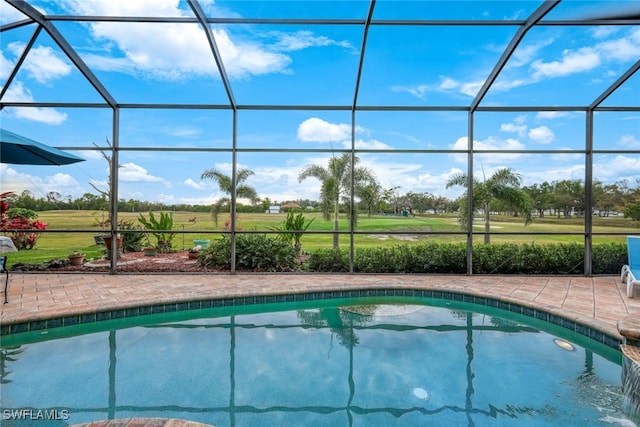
[{"x": 378, "y": 125}]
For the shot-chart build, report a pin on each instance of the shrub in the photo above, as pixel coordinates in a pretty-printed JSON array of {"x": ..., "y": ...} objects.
[
  {"x": 297, "y": 225},
  {"x": 328, "y": 260},
  {"x": 609, "y": 257},
  {"x": 26, "y": 226},
  {"x": 255, "y": 252},
  {"x": 133, "y": 240},
  {"x": 162, "y": 227},
  {"x": 450, "y": 258}
]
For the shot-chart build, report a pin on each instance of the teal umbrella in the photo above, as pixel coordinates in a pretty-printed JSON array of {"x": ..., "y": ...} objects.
[{"x": 20, "y": 150}]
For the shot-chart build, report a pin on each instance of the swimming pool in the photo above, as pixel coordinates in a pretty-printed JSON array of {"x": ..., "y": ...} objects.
[{"x": 334, "y": 363}]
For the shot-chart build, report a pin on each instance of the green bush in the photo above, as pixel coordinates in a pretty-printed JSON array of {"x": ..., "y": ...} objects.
[
  {"x": 255, "y": 252},
  {"x": 297, "y": 224},
  {"x": 327, "y": 260},
  {"x": 163, "y": 225},
  {"x": 450, "y": 258},
  {"x": 132, "y": 241},
  {"x": 608, "y": 258}
]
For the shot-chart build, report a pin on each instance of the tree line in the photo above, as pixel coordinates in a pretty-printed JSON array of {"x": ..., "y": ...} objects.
[{"x": 562, "y": 199}]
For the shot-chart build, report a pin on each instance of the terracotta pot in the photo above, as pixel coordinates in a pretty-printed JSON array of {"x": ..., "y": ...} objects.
[
  {"x": 107, "y": 244},
  {"x": 76, "y": 259},
  {"x": 107, "y": 241}
]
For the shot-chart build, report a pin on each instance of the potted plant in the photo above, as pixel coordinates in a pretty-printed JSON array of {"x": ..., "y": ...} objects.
[
  {"x": 76, "y": 258},
  {"x": 194, "y": 252},
  {"x": 149, "y": 249},
  {"x": 107, "y": 243}
]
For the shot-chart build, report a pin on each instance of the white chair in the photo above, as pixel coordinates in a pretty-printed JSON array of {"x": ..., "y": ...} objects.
[{"x": 631, "y": 271}]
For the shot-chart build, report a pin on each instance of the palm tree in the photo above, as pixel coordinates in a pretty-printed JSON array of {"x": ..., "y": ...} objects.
[
  {"x": 336, "y": 186},
  {"x": 225, "y": 183},
  {"x": 503, "y": 186}
]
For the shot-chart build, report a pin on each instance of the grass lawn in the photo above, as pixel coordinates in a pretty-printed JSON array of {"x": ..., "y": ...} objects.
[{"x": 75, "y": 230}]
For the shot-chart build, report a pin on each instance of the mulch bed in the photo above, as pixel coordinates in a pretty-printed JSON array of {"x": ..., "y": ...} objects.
[{"x": 129, "y": 262}]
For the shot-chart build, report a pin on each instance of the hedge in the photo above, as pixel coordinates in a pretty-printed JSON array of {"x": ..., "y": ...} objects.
[{"x": 450, "y": 258}]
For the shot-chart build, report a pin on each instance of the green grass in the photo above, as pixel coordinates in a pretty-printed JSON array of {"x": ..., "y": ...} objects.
[{"x": 60, "y": 240}]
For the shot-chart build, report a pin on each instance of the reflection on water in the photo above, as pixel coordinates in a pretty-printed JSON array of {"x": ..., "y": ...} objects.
[{"x": 358, "y": 365}]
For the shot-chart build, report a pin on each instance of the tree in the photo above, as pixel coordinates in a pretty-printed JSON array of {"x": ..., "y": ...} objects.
[
  {"x": 503, "y": 185},
  {"x": 371, "y": 198},
  {"x": 336, "y": 186},
  {"x": 569, "y": 197},
  {"x": 541, "y": 197},
  {"x": 225, "y": 183},
  {"x": 106, "y": 193},
  {"x": 632, "y": 211}
]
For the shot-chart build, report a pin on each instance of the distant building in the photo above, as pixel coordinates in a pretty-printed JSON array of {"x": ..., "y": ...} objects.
[
  {"x": 273, "y": 209},
  {"x": 290, "y": 205}
]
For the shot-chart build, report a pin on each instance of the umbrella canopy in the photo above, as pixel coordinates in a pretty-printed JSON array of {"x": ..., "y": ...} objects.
[{"x": 19, "y": 150}]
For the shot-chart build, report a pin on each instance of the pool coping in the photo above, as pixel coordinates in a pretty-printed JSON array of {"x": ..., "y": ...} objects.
[{"x": 151, "y": 294}]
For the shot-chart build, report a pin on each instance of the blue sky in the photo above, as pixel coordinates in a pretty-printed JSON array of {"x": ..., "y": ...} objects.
[{"x": 316, "y": 65}]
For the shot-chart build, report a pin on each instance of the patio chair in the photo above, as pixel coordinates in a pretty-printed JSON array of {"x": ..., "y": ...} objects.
[
  {"x": 3, "y": 269},
  {"x": 631, "y": 272}
]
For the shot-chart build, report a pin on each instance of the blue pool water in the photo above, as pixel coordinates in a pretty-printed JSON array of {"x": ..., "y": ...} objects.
[{"x": 328, "y": 364}]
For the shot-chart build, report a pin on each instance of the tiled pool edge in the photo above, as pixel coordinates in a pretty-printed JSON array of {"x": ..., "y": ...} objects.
[{"x": 590, "y": 328}]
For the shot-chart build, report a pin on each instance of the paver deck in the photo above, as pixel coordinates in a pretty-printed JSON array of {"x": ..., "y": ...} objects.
[{"x": 597, "y": 302}]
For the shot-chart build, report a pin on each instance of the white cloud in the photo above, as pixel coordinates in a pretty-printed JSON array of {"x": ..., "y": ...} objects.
[
  {"x": 542, "y": 115},
  {"x": 602, "y": 31},
  {"x": 419, "y": 91},
  {"x": 490, "y": 143},
  {"x": 18, "y": 93},
  {"x": 42, "y": 63},
  {"x": 471, "y": 88},
  {"x": 629, "y": 141},
  {"x": 372, "y": 144},
  {"x": 181, "y": 131},
  {"x": 622, "y": 49},
  {"x": 175, "y": 51},
  {"x": 166, "y": 8},
  {"x": 447, "y": 83},
  {"x": 526, "y": 52},
  {"x": 541, "y": 135},
  {"x": 195, "y": 185},
  {"x": 624, "y": 167},
  {"x": 9, "y": 14},
  {"x": 303, "y": 39},
  {"x": 318, "y": 130},
  {"x": 572, "y": 62},
  {"x": 520, "y": 129},
  {"x": 14, "y": 180},
  {"x": 6, "y": 66},
  {"x": 130, "y": 172},
  {"x": 567, "y": 171}
]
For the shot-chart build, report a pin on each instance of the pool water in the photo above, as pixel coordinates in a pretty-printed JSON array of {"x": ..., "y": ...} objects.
[{"x": 322, "y": 365}]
